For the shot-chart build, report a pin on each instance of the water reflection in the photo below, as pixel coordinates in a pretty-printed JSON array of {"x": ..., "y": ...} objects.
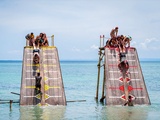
[
  {"x": 42, "y": 113},
  {"x": 125, "y": 113}
]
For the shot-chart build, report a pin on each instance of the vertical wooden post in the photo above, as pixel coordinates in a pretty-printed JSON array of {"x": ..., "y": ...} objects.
[
  {"x": 52, "y": 40},
  {"x": 99, "y": 67},
  {"x": 100, "y": 45},
  {"x": 103, "y": 40},
  {"x": 103, "y": 86},
  {"x": 10, "y": 106}
]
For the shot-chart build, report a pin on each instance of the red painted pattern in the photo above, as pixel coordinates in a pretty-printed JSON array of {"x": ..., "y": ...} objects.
[
  {"x": 130, "y": 88},
  {"x": 111, "y": 48},
  {"x": 120, "y": 88},
  {"x": 127, "y": 79},
  {"x": 131, "y": 48},
  {"x": 124, "y": 97},
  {"x": 115, "y": 65}
]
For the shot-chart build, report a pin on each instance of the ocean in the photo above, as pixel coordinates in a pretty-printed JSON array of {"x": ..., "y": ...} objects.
[{"x": 80, "y": 79}]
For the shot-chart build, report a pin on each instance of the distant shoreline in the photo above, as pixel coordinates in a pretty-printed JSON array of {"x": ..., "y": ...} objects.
[{"x": 141, "y": 60}]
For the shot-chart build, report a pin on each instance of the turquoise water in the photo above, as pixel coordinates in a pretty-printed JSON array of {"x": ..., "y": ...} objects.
[{"x": 80, "y": 78}]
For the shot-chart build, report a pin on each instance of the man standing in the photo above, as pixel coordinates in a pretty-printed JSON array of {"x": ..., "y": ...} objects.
[
  {"x": 114, "y": 32},
  {"x": 30, "y": 39}
]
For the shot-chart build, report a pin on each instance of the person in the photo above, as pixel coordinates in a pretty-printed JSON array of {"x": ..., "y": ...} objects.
[
  {"x": 36, "y": 44},
  {"x": 123, "y": 66},
  {"x": 30, "y": 38},
  {"x": 127, "y": 40},
  {"x": 40, "y": 39},
  {"x": 107, "y": 45},
  {"x": 38, "y": 79},
  {"x": 122, "y": 48},
  {"x": 113, "y": 42},
  {"x": 114, "y": 32},
  {"x": 121, "y": 44},
  {"x": 36, "y": 57},
  {"x": 44, "y": 37},
  {"x": 129, "y": 102}
]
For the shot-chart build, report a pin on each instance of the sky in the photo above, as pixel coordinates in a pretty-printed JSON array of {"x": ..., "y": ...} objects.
[{"x": 78, "y": 24}]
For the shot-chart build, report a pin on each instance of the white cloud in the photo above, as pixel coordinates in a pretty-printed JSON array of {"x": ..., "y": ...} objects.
[
  {"x": 149, "y": 40},
  {"x": 95, "y": 47},
  {"x": 150, "y": 44},
  {"x": 75, "y": 49},
  {"x": 15, "y": 52},
  {"x": 143, "y": 46},
  {"x": 133, "y": 43}
]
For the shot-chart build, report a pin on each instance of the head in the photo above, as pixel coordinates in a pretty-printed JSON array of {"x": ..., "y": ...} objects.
[
  {"x": 129, "y": 37},
  {"x": 40, "y": 34},
  {"x": 129, "y": 97},
  {"x": 122, "y": 36},
  {"x": 116, "y": 28},
  {"x": 36, "y": 56},
  {"x": 118, "y": 37},
  {"x": 44, "y": 34},
  {"x": 38, "y": 73},
  {"x": 31, "y": 33}
]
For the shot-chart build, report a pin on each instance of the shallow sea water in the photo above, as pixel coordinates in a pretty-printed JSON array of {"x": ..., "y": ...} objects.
[{"x": 80, "y": 78}]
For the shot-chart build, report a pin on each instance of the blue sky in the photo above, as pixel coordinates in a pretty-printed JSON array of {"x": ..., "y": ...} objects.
[{"x": 77, "y": 25}]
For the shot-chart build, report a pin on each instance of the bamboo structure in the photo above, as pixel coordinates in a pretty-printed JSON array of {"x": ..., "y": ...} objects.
[
  {"x": 118, "y": 85},
  {"x": 52, "y": 88}
]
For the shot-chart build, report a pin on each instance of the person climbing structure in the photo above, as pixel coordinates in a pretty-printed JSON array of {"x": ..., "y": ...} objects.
[
  {"x": 38, "y": 79},
  {"x": 129, "y": 102},
  {"x": 36, "y": 51},
  {"x": 36, "y": 57}
]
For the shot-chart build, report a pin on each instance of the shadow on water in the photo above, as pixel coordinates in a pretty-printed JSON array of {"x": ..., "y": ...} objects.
[
  {"x": 124, "y": 113},
  {"x": 42, "y": 113}
]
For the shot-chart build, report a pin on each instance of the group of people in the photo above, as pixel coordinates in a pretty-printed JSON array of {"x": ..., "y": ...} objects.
[
  {"x": 119, "y": 41},
  {"x": 40, "y": 40}
]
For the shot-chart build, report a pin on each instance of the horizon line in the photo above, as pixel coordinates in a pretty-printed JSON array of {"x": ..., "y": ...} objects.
[{"x": 141, "y": 59}]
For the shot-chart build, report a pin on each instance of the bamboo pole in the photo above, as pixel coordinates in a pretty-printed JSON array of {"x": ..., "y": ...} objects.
[
  {"x": 15, "y": 93},
  {"x": 77, "y": 101},
  {"x": 10, "y": 104},
  {"x": 100, "y": 41},
  {"x": 103, "y": 86},
  {"x": 52, "y": 40},
  {"x": 99, "y": 66},
  {"x": 98, "y": 78},
  {"x": 4, "y": 102},
  {"x": 103, "y": 39}
]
